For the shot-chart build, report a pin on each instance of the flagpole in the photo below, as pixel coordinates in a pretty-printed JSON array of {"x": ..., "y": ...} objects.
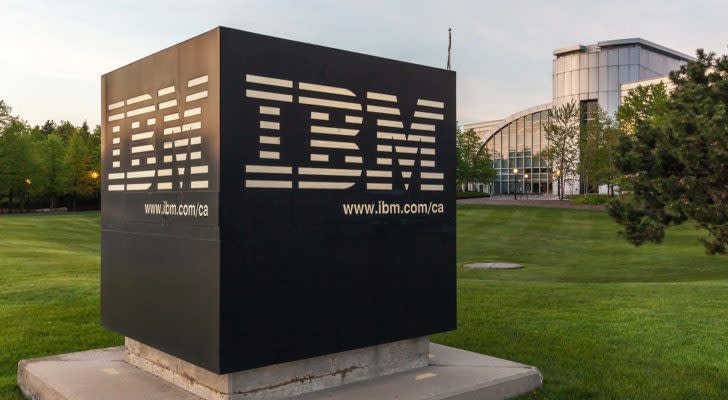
[{"x": 449, "y": 46}]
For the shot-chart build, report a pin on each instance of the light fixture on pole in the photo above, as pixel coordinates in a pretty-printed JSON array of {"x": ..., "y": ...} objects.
[
  {"x": 28, "y": 182},
  {"x": 515, "y": 186},
  {"x": 525, "y": 182},
  {"x": 558, "y": 183}
]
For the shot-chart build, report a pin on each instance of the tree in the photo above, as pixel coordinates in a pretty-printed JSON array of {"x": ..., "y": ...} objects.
[
  {"x": 48, "y": 128},
  {"x": 77, "y": 161},
  {"x": 6, "y": 116},
  {"x": 643, "y": 103},
  {"x": 52, "y": 168},
  {"x": 562, "y": 132},
  {"x": 94, "y": 144},
  {"x": 677, "y": 161},
  {"x": 473, "y": 163},
  {"x": 16, "y": 162},
  {"x": 65, "y": 130},
  {"x": 597, "y": 149}
]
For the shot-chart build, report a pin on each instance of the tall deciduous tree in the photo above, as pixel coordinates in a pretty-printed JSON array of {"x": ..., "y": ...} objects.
[
  {"x": 66, "y": 129},
  {"x": 53, "y": 168},
  {"x": 562, "y": 131},
  {"x": 473, "y": 164},
  {"x": 643, "y": 103},
  {"x": 49, "y": 161},
  {"x": 16, "y": 162},
  {"x": 678, "y": 167},
  {"x": 597, "y": 150},
  {"x": 77, "y": 161}
]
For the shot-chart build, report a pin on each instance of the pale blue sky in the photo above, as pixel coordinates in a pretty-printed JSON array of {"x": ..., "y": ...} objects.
[{"x": 54, "y": 52}]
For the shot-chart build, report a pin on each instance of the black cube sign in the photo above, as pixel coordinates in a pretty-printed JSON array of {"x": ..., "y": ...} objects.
[{"x": 266, "y": 200}]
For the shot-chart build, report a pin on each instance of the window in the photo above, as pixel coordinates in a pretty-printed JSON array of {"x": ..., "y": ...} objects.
[{"x": 515, "y": 146}]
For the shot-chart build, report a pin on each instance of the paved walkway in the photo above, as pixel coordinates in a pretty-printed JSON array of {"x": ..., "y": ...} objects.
[{"x": 531, "y": 202}]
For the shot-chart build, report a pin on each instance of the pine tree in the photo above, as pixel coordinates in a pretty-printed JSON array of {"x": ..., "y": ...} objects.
[{"x": 676, "y": 162}]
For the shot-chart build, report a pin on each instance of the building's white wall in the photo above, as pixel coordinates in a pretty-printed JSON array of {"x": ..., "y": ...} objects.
[
  {"x": 626, "y": 87},
  {"x": 598, "y": 74}
]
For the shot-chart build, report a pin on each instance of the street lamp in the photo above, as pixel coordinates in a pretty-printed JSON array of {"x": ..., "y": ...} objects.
[
  {"x": 28, "y": 182},
  {"x": 515, "y": 189},
  {"x": 525, "y": 182},
  {"x": 558, "y": 183}
]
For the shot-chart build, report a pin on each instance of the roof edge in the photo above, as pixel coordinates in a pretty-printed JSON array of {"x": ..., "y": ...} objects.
[
  {"x": 507, "y": 120},
  {"x": 569, "y": 49},
  {"x": 625, "y": 42},
  {"x": 649, "y": 45}
]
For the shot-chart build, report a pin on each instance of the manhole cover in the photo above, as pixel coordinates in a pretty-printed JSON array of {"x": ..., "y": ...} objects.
[{"x": 493, "y": 265}]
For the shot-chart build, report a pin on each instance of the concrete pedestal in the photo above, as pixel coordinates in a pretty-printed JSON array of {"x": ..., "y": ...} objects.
[
  {"x": 104, "y": 374},
  {"x": 285, "y": 380}
]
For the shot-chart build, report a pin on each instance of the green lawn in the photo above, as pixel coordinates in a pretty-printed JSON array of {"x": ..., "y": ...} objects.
[
  {"x": 600, "y": 318},
  {"x": 49, "y": 290}
]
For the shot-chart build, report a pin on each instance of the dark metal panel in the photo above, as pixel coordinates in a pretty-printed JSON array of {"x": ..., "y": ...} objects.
[
  {"x": 160, "y": 183},
  {"x": 162, "y": 291},
  {"x": 301, "y": 278}
]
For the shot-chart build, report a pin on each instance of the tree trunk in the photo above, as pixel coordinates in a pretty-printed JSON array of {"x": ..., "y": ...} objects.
[
  {"x": 558, "y": 186},
  {"x": 53, "y": 201},
  {"x": 10, "y": 201},
  {"x": 73, "y": 204}
]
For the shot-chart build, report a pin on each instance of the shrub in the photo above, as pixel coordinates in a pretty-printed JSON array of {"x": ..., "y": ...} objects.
[
  {"x": 590, "y": 199},
  {"x": 471, "y": 195}
]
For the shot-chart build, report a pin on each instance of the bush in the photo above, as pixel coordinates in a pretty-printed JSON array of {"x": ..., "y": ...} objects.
[
  {"x": 590, "y": 199},
  {"x": 471, "y": 195}
]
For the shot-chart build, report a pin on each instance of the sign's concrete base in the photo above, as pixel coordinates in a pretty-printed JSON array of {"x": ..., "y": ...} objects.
[
  {"x": 284, "y": 380},
  {"x": 104, "y": 374}
]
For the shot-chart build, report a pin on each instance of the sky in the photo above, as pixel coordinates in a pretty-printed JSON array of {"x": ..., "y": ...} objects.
[{"x": 53, "y": 53}]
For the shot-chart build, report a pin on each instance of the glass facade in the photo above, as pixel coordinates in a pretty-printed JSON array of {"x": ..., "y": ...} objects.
[
  {"x": 517, "y": 145},
  {"x": 596, "y": 72},
  {"x": 593, "y": 76}
]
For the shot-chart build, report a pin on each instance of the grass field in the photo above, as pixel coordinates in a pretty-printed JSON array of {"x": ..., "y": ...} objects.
[
  {"x": 600, "y": 318},
  {"x": 49, "y": 290}
]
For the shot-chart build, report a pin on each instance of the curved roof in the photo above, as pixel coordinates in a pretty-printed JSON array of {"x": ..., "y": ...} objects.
[{"x": 507, "y": 120}]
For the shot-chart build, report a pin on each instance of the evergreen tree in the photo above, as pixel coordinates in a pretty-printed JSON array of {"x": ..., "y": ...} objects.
[
  {"x": 48, "y": 127},
  {"x": 677, "y": 162}
]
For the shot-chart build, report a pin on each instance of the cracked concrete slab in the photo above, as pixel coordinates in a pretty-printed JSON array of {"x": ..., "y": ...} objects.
[
  {"x": 452, "y": 374},
  {"x": 284, "y": 380}
]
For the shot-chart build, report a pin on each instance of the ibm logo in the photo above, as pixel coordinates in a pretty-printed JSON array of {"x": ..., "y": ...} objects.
[
  {"x": 180, "y": 160},
  {"x": 336, "y": 117},
  {"x": 176, "y": 160}
]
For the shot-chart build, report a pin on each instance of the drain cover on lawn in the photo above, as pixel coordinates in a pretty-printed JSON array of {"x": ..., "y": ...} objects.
[{"x": 493, "y": 265}]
